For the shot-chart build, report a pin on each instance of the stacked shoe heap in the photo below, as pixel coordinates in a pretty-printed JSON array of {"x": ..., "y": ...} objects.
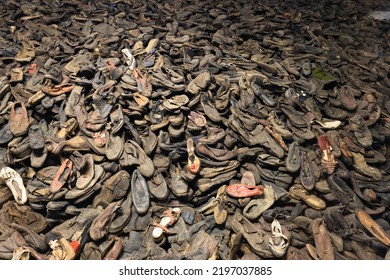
[{"x": 234, "y": 130}]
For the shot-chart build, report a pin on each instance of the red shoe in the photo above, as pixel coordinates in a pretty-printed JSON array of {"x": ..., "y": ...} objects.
[{"x": 241, "y": 191}]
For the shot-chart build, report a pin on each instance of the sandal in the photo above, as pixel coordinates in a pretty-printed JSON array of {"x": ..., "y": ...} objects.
[
  {"x": 328, "y": 161},
  {"x": 62, "y": 250},
  {"x": 278, "y": 242},
  {"x": 193, "y": 161},
  {"x": 21, "y": 253},
  {"x": 169, "y": 217}
]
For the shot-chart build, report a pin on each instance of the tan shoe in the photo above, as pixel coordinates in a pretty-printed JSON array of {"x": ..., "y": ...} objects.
[
  {"x": 62, "y": 250},
  {"x": 18, "y": 119},
  {"x": 372, "y": 227},
  {"x": 199, "y": 83},
  {"x": 299, "y": 192},
  {"x": 322, "y": 240}
]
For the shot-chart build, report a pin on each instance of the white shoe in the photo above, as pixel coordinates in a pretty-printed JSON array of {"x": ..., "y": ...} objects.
[{"x": 15, "y": 182}]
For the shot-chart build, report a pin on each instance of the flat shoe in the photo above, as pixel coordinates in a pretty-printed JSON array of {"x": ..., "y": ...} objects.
[
  {"x": 36, "y": 137},
  {"x": 323, "y": 244},
  {"x": 157, "y": 186},
  {"x": 306, "y": 173},
  {"x": 372, "y": 227},
  {"x": 15, "y": 183},
  {"x": 114, "y": 188},
  {"x": 5, "y": 134},
  {"x": 57, "y": 90},
  {"x": 18, "y": 119},
  {"x": 140, "y": 193},
  {"x": 242, "y": 191},
  {"x": 101, "y": 223},
  {"x": 123, "y": 216},
  {"x": 114, "y": 146},
  {"x": 62, "y": 175},
  {"x": 87, "y": 173},
  {"x": 293, "y": 160}
]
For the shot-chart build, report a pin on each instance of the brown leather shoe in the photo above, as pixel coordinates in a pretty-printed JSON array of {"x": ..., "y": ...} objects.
[
  {"x": 322, "y": 240},
  {"x": 57, "y": 90},
  {"x": 360, "y": 165},
  {"x": 19, "y": 121},
  {"x": 140, "y": 193},
  {"x": 22, "y": 215},
  {"x": 101, "y": 223},
  {"x": 216, "y": 153},
  {"x": 347, "y": 99},
  {"x": 113, "y": 249},
  {"x": 372, "y": 227}
]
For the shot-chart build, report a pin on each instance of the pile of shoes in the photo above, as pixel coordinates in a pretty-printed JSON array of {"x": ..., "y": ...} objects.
[{"x": 194, "y": 130}]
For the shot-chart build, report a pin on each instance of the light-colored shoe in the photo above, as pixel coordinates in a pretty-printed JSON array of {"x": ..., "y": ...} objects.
[
  {"x": 15, "y": 182},
  {"x": 278, "y": 242}
]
